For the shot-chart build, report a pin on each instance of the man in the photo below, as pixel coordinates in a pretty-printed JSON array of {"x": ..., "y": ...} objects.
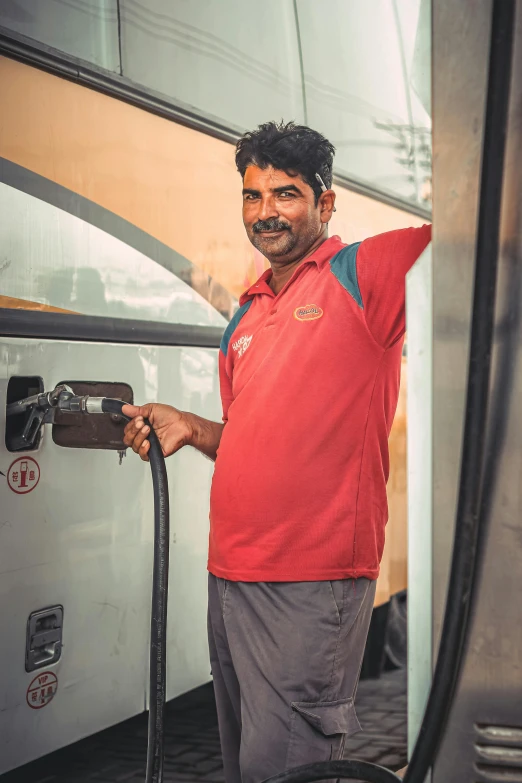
[{"x": 309, "y": 374}]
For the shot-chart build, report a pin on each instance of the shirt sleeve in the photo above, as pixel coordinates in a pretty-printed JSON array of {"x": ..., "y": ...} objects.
[
  {"x": 382, "y": 264},
  {"x": 225, "y": 386}
]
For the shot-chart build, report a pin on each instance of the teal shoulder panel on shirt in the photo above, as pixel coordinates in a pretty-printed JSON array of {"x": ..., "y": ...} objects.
[
  {"x": 231, "y": 328},
  {"x": 344, "y": 267}
]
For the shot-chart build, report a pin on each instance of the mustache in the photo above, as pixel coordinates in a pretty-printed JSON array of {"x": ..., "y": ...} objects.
[{"x": 272, "y": 224}]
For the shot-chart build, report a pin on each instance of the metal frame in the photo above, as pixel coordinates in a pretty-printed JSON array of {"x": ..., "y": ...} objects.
[
  {"x": 91, "y": 328},
  {"x": 483, "y": 736}
]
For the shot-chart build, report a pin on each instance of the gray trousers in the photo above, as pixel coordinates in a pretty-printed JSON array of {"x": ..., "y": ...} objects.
[{"x": 286, "y": 658}]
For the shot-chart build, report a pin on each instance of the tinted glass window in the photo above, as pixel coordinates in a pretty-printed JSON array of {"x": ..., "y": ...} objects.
[
  {"x": 366, "y": 68},
  {"x": 236, "y": 61},
  {"x": 56, "y": 261},
  {"x": 84, "y": 28}
]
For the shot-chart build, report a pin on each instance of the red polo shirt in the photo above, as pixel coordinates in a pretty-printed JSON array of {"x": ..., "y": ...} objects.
[{"x": 309, "y": 385}]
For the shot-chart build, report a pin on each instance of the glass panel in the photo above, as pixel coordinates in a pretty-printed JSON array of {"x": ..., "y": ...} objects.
[
  {"x": 359, "y": 69},
  {"x": 84, "y": 28},
  {"x": 236, "y": 61},
  {"x": 59, "y": 262}
]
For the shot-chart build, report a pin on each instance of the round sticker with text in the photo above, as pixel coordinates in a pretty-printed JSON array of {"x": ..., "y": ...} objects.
[
  {"x": 42, "y": 690},
  {"x": 23, "y": 475}
]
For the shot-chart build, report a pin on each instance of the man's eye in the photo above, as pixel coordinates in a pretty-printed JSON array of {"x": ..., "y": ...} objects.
[
  {"x": 287, "y": 194},
  {"x": 249, "y": 197}
]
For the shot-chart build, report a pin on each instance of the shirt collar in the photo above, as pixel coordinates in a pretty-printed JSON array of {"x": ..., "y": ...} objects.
[
  {"x": 326, "y": 251},
  {"x": 259, "y": 287},
  {"x": 321, "y": 256}
]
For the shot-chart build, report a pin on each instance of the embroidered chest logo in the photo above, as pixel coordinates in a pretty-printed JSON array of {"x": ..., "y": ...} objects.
[
  {"x": 308, "y": 313},
  {"x": 242, "y": 344}
]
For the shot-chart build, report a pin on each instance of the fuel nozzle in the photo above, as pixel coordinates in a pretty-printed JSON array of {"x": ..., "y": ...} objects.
[
  {"x": 69, "y": 401},
  {"x": 44, "y": 401},
  {"x": 41, "y": 410},
  {"x": 42, "y": 407}
]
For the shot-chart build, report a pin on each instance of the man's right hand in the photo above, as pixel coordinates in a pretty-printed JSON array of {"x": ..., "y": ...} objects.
[{"x": 172, "y": 427}]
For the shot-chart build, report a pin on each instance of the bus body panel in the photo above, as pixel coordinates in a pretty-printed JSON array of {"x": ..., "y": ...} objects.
[{"x": 82, "y": 539}]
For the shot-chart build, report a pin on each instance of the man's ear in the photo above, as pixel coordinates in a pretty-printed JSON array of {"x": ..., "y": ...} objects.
[{"x": 326, "y": 205}]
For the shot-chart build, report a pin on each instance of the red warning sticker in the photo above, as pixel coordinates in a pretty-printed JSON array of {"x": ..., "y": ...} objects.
[
  {"x": 41, "y": 690},
  {"x": 23, "y": 475}
]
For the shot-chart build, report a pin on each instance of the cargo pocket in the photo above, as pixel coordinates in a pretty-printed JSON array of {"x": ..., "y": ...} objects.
[{"x": 319, "y": 729}]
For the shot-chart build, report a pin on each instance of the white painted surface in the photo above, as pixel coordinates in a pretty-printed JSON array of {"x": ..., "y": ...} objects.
[
  {"x": 83, "y": 538},
  {"x": 419, "y": 315}
]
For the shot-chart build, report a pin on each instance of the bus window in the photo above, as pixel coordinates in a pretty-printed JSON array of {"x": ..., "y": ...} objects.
[
  {"x": 88, "y": 30},
  {"x": 77, "y": 267}
]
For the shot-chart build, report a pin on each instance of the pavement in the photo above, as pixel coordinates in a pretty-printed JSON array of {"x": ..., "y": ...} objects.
[
  {"x": 117, "y": 755},
  {"x": 381, "y": 707}
]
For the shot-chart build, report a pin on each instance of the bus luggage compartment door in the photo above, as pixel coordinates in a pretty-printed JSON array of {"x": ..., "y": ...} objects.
[{"x": 79, "y": 535}]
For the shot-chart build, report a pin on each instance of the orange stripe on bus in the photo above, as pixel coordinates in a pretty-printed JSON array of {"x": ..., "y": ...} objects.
[{"x": 10, "y": 303}]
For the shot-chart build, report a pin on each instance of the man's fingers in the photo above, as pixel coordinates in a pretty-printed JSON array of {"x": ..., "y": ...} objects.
[
  {"x": 132, "y": 411},
  {"x": 135, "y": 434},
  {"x": 140, "y": 438},
  {"x": 144, "y": 450},
  {"x": 131, "y": 430}
]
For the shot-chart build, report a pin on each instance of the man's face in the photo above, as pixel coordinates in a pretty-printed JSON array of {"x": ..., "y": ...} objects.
[{"x": 280, "y": 215}]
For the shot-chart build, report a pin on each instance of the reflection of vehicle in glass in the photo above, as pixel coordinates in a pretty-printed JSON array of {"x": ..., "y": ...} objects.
[{"x": 122, "y": 255}]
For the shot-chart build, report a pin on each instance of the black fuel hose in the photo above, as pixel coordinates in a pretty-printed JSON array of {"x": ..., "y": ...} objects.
[
  {"x": 160, "y": 586},
  {"x": 335, "y": 770}
]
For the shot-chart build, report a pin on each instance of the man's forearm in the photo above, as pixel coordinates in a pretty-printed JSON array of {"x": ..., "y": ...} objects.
[{"x": 205, "y": 435}]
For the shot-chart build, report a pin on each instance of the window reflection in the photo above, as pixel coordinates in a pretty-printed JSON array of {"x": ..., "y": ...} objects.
[
  {"x": 359, "y": 74},
  {"x": 236, "y": 61},
  {"x": 79, "y": 268},
  {"x": 364, "y": 81},
  {"x": 87, "y": 29}
]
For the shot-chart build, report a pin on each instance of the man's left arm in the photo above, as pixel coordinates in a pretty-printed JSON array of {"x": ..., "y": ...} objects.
[{"x": 382, "y": 264}]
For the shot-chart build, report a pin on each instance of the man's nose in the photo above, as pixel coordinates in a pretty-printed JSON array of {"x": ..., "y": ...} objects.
[{"x": 267, "y": 208}]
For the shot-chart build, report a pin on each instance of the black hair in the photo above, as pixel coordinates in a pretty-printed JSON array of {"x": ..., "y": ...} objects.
[{"x": 288, "y": 147}]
